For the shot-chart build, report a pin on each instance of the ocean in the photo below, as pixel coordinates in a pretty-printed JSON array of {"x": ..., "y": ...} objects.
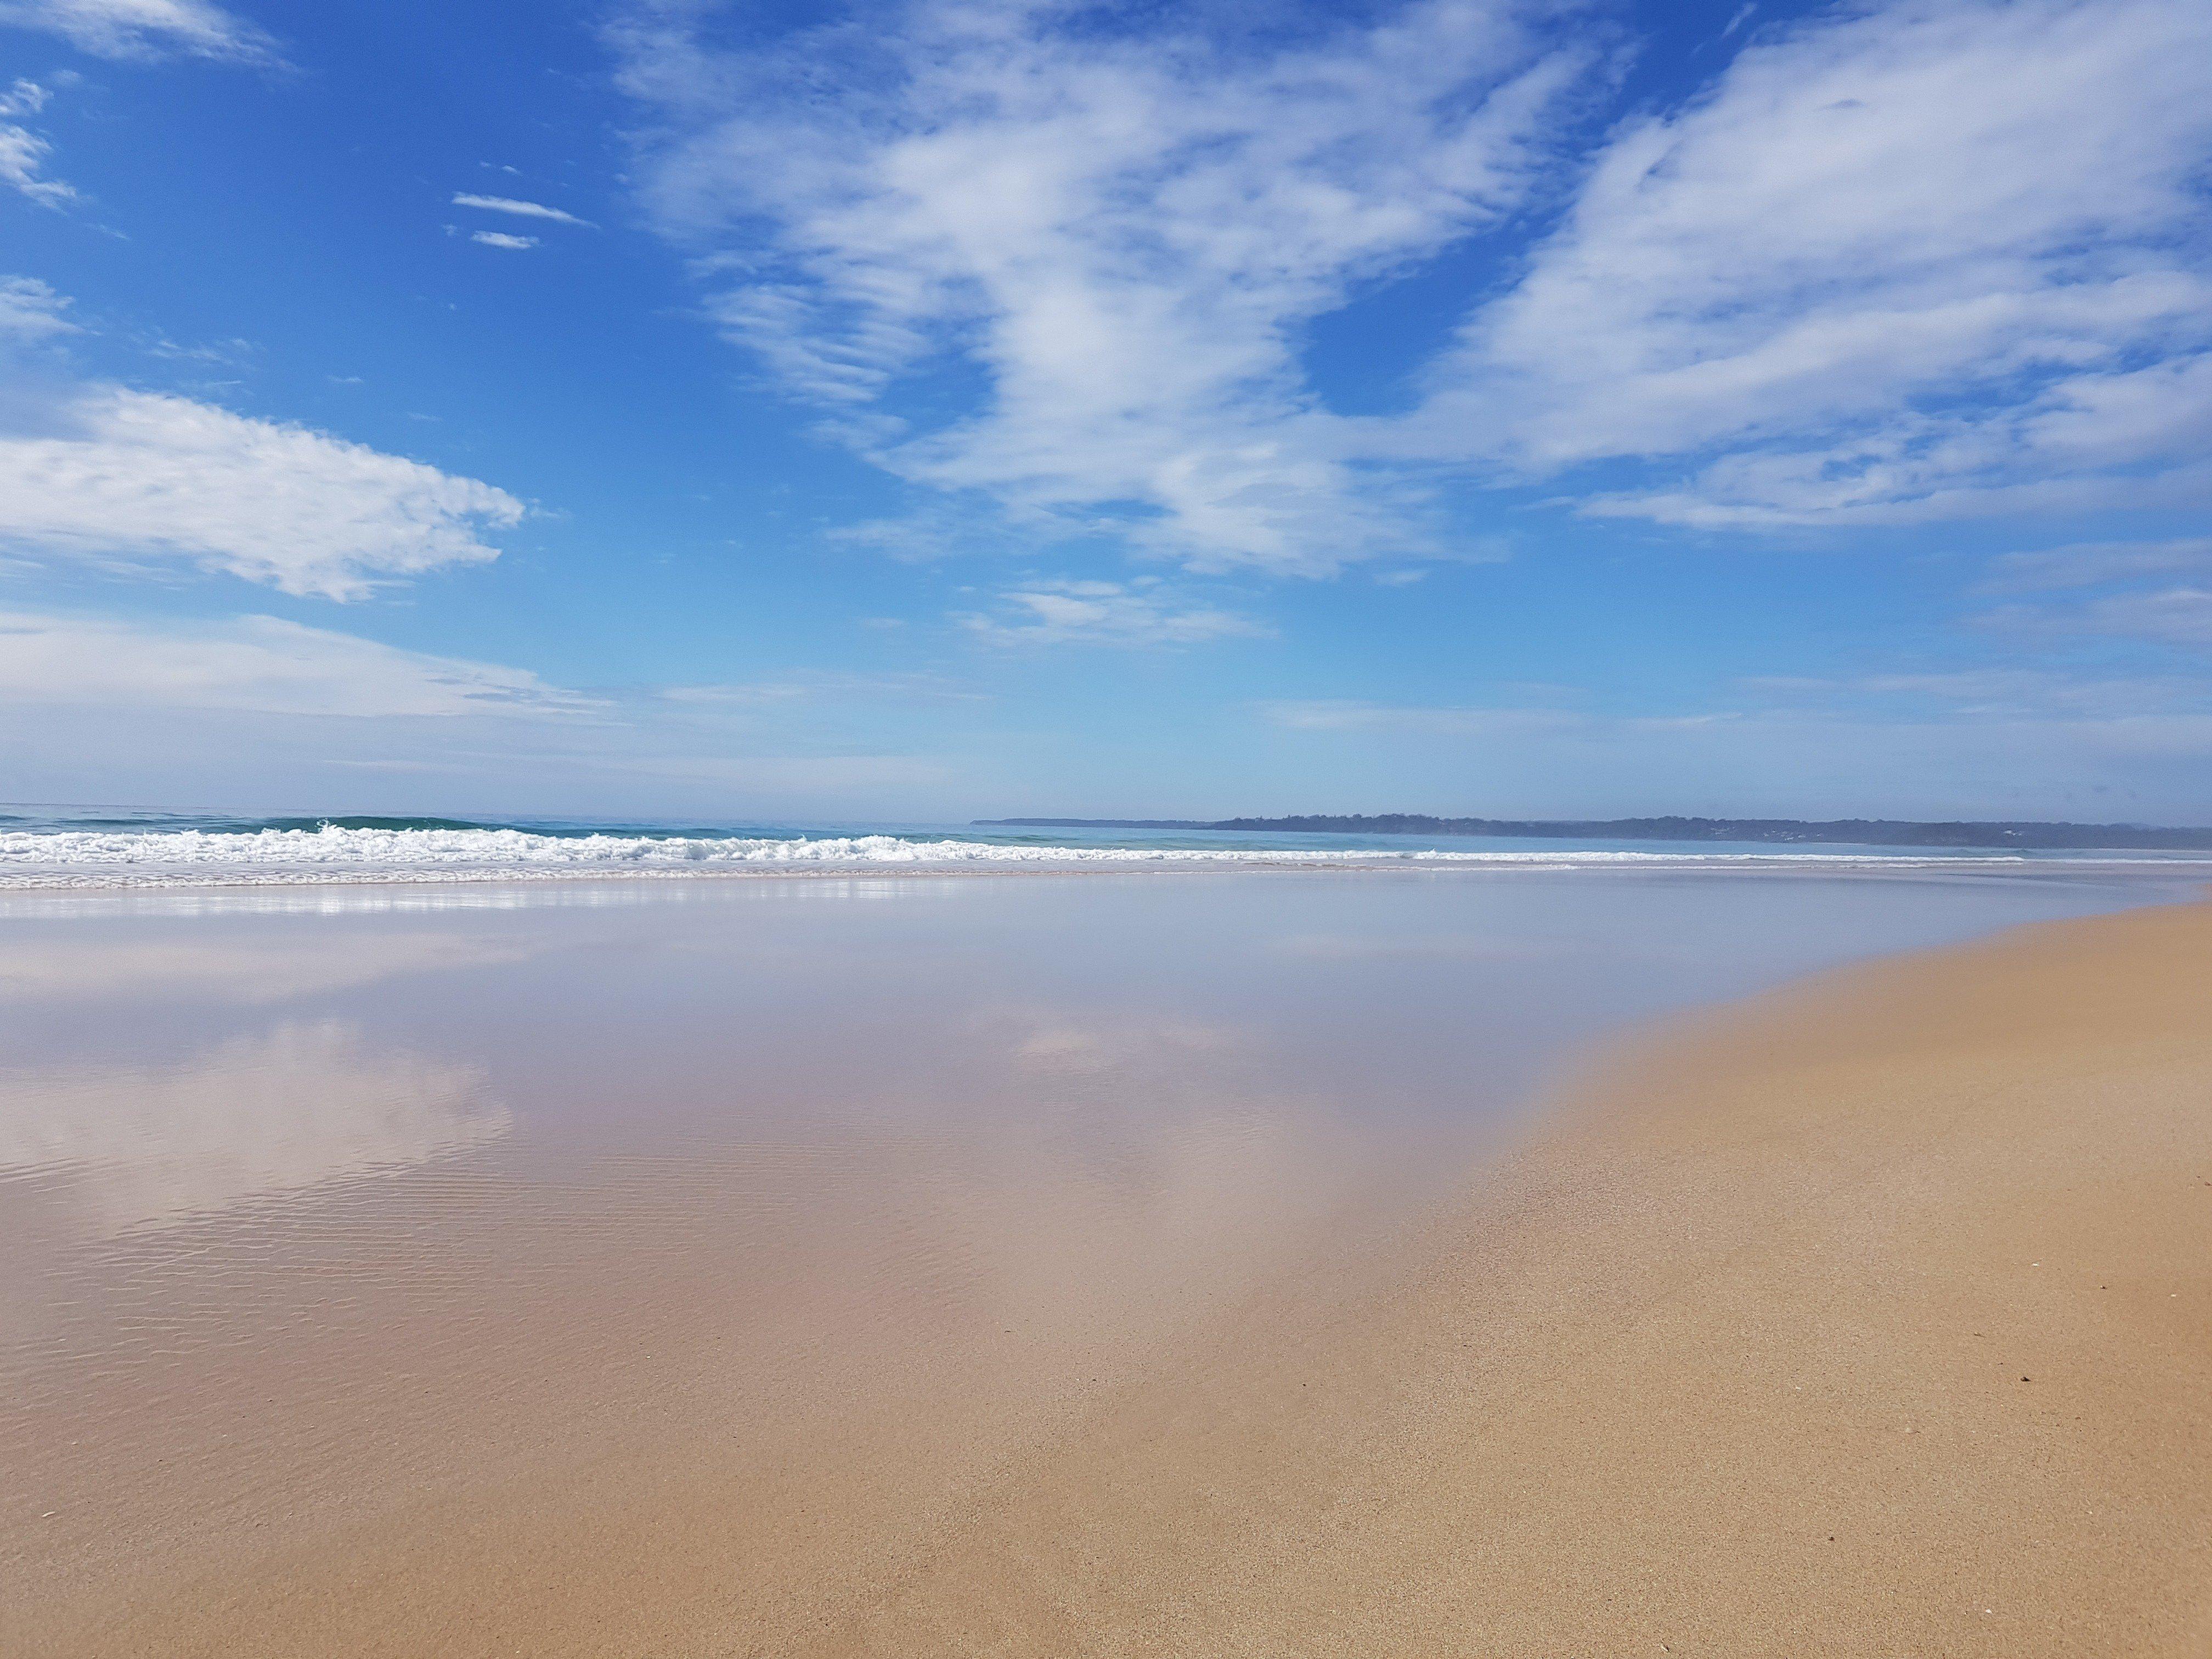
[{"x": 62, "y": 847}]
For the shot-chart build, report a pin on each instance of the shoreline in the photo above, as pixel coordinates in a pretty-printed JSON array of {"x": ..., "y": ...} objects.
[{"x": 1995, "y": 865}]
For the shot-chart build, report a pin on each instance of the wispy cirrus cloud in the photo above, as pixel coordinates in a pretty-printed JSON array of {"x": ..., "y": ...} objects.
[
  {"x": 252, "y": 666},
  {"x": 2091, "y": 564},
  {"x": 746, "y": 697},
  {"x": 502, "y": 238},
  {"x": 30, "y": 310},
  {"x": 144, "y": 28},
  {"x": 2003, "y": 692},
  {"x": 2166, "y": 615},
  {"x": 1118, "y": 229},
  {"x": 23, "y": 153},
  {"x": 2150, "y": 593},
  {"x": 2170, "y": 616},
  {"x": 233, "y": 702},
  {"x": 1144, "y": 612},
  {"x": 1921, "y": 260},
  {"x": 1350, "y": 714},
  {"x": 517, "y": 208},
  {"x": 1985, "y": 743},
  {"x": 1896, "y": 263}
]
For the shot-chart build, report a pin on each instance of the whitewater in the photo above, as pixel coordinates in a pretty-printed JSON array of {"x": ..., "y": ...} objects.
[{"x": 51, "y": 856}]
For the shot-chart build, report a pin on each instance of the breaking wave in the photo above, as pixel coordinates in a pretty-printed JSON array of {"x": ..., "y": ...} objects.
[{"x": 298, "y": 853}]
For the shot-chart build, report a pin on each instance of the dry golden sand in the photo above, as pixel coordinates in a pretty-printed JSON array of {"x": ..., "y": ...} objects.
[{"x": 1873, "y": 1317}]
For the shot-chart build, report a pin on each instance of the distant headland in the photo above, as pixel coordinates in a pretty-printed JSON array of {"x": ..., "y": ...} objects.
[{"x": 1855, "y": 832}]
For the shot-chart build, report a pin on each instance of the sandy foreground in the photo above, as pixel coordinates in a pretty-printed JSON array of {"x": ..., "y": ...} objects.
[{"x": 1874, "y": 1317}]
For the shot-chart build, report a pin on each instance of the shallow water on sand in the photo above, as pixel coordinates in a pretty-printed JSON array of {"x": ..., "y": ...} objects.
[{"x": 481, "y": 1232}]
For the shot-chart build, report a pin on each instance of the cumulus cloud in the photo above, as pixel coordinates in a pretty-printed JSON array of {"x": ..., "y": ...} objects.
[
  {"x": 251, "y": 664},
  {"x": 1140, "y": 613},
  {"x": 519, "y": 209},
  {"x": 143, "y": 28},
  {"x": 1119, "y": 232},
  {"x": 120, "y": 475}
]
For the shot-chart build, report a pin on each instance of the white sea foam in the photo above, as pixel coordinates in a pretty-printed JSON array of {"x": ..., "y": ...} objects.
[{"x": 130, "y": 858}]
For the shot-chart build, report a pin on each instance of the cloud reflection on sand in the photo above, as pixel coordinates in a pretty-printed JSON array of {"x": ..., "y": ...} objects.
[{"x": 255, "y": 1117}]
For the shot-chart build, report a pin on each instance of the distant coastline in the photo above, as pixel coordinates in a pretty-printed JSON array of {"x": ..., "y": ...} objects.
[{"x": 1853, "y": 832}]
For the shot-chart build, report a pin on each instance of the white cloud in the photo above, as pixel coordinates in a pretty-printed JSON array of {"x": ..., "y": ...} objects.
[
  {"x": 2173, "y": 615},
  {"x": 260, "y": 708},
  {"x": 251, "y": 664},
  {"x": 1934, "y": 746},
  {"x": 502, "y": 239},
  {"x": 23, "y": 151},
  {"x": 2132, "y": 438},
  {"x": 958, "y": 528},
  {"x": 1331, "y": 714},
  {"x": 1121, "y": 233},
  {"x": 1142, "y": 613},
  {"x": 2167, "y": 616},
  {"x": 1940, "y": 257},
  {"x": 121, "y": 476},
  {"x": 2158, "y": 592},
  {"x": 31, "y": 311},
  {"x": 143, "y": 28},
  {"x": 2091, "y": 564},
  {"x": 2000, "y": 693},
  {"x": 818, "y": 686},
  {"x": 520, "y": 210},
  {"x": 1901, "y": 262}
]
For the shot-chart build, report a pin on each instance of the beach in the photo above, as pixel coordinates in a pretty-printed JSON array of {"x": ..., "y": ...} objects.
[
  {"x": 981, "y": 829},
  {"x": 1785, "y": 1294},
  {"x": 1871, "y": 1318}
]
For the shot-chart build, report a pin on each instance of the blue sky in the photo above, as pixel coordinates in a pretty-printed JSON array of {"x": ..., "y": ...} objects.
[{"x": 913, "y": 411}]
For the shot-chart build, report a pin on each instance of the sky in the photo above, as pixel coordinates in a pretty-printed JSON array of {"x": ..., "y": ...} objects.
[{"x": 913, "y": 411}]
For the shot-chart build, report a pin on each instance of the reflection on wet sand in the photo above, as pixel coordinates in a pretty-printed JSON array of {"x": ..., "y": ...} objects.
[
  {"x": 251, "y": 1118},
  {"x": 306, "y": 1270},
  {"x": 658, "y": 1276}
]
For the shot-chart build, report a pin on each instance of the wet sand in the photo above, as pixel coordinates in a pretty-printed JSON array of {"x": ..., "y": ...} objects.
[{"x": 1871, "y": 1317}]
